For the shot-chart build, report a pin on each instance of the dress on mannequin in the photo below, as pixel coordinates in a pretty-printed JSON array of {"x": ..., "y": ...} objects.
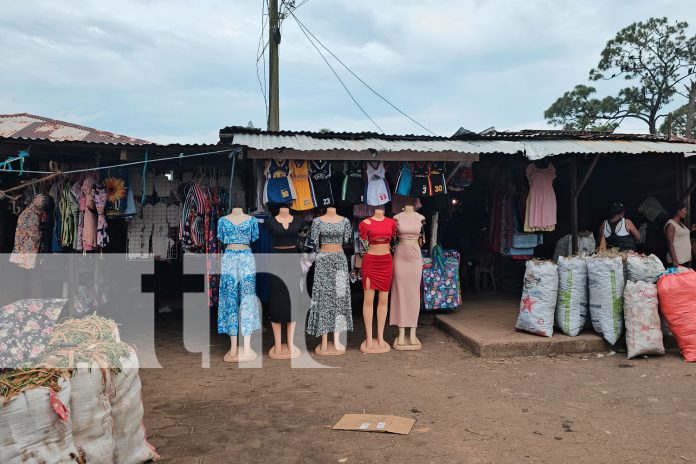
[
  {"x": 377, "y": 269},
  {"x": 284, "y": 242},
  {"x": 330, "y": 310},
  {"x": 408, "y": 271},
  {"x": 239, "y": 305}
]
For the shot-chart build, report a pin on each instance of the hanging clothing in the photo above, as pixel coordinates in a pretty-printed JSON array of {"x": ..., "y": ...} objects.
[
  {"x": 191, "y": 230},
  {"x": 320, "y": 176},
  {"x": 28, "y": 233},
  {"x": 419, "y": 184},
  {"x": 436, "y": 179},
  {"x": 541, "y": 202},
  {"x": 278, "y": 188},
  {"x": 404, "y": 305},
  {"x": 299, "y": 174},
  {"x": 353, "y": 183},
  {"x": 99, "y": 194},
  {"x": 330, "y": 309},
  {"x": 117, "y": 187},
  {"x": 88, "y": 211},
  {"x": 79, "y": 197},
  {"x": 403, "y": 185},
  {"x": 682, "y": 243},
  {"x": 377, "y": 191},
  {"x": 238, "y": 309}
]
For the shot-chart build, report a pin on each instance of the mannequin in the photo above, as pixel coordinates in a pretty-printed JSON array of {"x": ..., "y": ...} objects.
[
  {"x": 377, "y": 266},
  {"x": 238, "y": 313},
  {"x": 284, "y": 230},
  {"x": 408, "y": 269},
  {"x": 330, "y": 310}
]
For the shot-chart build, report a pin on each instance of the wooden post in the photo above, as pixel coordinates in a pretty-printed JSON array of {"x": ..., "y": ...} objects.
[
  {"x": 574, "y": 204},
  {"x": 433, "y": 232},
  {"x": 273, "y": 62}
]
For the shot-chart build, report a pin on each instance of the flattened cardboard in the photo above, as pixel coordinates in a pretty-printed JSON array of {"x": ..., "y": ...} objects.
[{"x": 375, "y": 423}]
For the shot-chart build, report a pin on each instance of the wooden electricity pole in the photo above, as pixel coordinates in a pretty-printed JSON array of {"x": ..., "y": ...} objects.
[{"x": 273, "y": 42}]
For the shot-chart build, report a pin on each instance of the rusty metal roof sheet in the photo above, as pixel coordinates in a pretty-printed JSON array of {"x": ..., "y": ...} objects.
[{"x": 29, "y": 127}]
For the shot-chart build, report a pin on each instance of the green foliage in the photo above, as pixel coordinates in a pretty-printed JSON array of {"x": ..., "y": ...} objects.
[
  {"x": 654, "y": 55},
  {"x": 678, "y": 124}
]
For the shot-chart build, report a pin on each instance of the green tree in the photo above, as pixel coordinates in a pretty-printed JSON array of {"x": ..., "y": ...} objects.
[{"x": 654, "y": 55}]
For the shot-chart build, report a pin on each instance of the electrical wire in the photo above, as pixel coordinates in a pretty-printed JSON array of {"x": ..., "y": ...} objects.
[
  {"x": 339, "y": 78},
  {"x": 302, "y": 26},
  {"x": 132, "y": 163}
]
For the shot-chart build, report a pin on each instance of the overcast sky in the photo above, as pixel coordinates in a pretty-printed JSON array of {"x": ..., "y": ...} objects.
[{"x": 178, "y": 71}]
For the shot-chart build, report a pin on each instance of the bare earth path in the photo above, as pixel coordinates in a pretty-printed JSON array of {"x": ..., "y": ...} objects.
[{"x": 580, "y": 408}]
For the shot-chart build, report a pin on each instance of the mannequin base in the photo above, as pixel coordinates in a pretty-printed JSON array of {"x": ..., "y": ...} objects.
[
  {"x": 331, "y": 351},
  {"x": 407, "y": 346},
  {"x": 240, "y": 357},
  {"x": 376, "y": 349},
  {"x": 285, "y": 352}
]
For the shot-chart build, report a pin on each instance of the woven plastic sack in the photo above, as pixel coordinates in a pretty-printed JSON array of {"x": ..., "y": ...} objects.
[
  {"x": 645, "y": 268},
  {"x": 572, "y": 303},
  {"x": 606, "y": 282},
  {"x": 564, "y": 245},
  {"x": 130, "y": 437},
  {"x": 677, "y": 294},
  {"x": 92, "y": 425},
  {"x": 539, "y": 294},
  {"x": 643, "y": 330},
  {"x": 35, "y": 427}
]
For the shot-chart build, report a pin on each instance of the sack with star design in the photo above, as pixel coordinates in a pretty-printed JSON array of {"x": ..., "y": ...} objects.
[{"x": 539, "y": 293}]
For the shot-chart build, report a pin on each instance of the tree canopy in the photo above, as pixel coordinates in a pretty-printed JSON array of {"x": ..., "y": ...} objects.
[{"x": 655, "y": 56}]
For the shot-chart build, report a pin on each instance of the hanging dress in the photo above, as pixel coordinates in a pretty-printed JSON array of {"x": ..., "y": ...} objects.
[
  {"x": 376, "y": 191},
  {"x": 299, "y": 174},
  {"x": 403, "y": 185},
  {"x": 320, "y": 176},
  {"x": 541, "y": 202},
  {"x": 278, "y": 189},
  {"x": 28, "y": 233}
]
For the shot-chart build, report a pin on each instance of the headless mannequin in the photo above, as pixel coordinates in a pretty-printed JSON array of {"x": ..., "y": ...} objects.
[
  {"x": 401, "y": 343},
  {"x": 377, "y": 345},
  {"x": 335, "y": 349},
  {"x": 279, "y": 349},
  {"x": 245, "y": 353}
]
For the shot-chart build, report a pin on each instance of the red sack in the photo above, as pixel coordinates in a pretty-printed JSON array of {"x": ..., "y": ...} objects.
[{"x": 677, "y": 295}]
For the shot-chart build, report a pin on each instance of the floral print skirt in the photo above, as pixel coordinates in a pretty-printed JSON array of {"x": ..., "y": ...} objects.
[{"x": 330, "y": 310}]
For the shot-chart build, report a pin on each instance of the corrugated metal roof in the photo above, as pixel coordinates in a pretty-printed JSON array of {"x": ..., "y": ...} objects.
[
  {"x": 29, "y": 127},
  {"x": 533, "y": 144}
]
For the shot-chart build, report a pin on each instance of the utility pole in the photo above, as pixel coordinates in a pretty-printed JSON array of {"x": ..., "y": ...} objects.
[{"x": 273, "y": 42}]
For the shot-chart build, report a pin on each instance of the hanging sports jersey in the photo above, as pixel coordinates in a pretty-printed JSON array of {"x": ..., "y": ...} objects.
[
  {"x": 377, "y": 191},
  {"x": 300, "y": 182},
  {"x": 463, "y": 178},
  {"x": 278, "y": 189},
  {"x": 436, "y": 178},
  {"x": 320, "y": 181},
  {"x": 353, "y": 183},
  {"x": 419, "y": 184},
  {"x": 403, "y": 185}
]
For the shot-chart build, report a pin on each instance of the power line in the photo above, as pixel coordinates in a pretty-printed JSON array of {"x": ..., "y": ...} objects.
[
  {"x": 337, "y": 76},
  {"x": 302, "y": 26}
]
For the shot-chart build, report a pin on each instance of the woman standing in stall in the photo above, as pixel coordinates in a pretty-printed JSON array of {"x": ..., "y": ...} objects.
[
  {"x": 678, "y": 237},
  {"x": 617, "y": 231}
]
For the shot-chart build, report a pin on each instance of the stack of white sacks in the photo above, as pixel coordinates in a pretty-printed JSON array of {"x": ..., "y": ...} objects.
[
  {"x": 95, "y": 418},
  {"x": 578, "y": 286}
]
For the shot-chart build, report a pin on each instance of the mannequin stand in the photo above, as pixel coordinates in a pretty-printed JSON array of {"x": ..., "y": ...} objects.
[
  {"x": 240, "y": 355},
  {"x": 401, "y": 343},
  {"x": 285, "y": 352},
  {"x": 333, "y": 349},
  {"x": 376, "y": 349}
]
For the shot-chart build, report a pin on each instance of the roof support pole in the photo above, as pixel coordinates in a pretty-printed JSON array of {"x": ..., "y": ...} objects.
[{"x": 575, "y": 191}]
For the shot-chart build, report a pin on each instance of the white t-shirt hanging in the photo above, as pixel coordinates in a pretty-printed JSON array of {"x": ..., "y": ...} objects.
[{"x": 377, "y": 191}]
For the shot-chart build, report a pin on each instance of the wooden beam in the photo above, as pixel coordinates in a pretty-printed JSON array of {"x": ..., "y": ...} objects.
[{"x": 574, "y": 204}]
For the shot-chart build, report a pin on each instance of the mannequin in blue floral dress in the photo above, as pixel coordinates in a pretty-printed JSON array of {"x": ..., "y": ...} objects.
[{"x": 238, "y": 310}]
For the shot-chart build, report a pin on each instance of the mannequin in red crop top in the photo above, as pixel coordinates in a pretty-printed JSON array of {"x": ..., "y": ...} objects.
[{"x": 377, "y": 232}]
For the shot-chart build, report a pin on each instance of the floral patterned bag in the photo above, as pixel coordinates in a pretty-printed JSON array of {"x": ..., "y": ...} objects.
[{"x": 441, "y": 287}]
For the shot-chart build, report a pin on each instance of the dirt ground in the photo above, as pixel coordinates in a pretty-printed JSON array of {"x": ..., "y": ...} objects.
[{"x": 574, "y": 409}]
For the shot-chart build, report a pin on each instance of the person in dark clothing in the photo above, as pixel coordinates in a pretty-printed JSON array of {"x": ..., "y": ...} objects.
[{"x": 617, "y": 231}]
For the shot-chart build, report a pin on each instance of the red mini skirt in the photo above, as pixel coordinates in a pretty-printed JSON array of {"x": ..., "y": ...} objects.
[{"x": 379, "y": 270}]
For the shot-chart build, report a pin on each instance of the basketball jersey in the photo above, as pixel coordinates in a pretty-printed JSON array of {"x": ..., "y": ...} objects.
[
  {"x": 403, "y": 185},
  {"x": 377, "y": 192},
  {"x": 436, "y": 178},
  {"x": 353, "y": 183},
  {"x": 278, "y": 189},
  {"x": 419, "y": 184},
  {"x": 320, "y": 181},
  {"x": 300, "y": 182}
]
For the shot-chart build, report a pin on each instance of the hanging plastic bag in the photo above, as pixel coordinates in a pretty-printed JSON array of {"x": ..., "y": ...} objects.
[
  {"x": 539, "y": 294},
  {"x": 606, "y": 282},
  {"x": 572, "y": 304},
  {"x": 643, "y": 331},
  {"x": 677, "y": 294},
  {"x": 441, "y": 287},
  {"x": 645, "y": 268}
]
